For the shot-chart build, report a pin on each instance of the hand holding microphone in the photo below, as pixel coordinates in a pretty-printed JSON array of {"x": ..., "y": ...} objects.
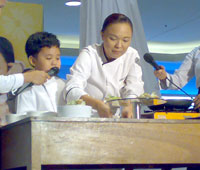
[
  {"x": 160, "y": 72},
  {"x": 38, "y": 78}
]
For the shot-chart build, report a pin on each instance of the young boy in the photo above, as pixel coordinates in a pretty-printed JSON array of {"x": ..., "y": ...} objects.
[{"x": 43, "y": 51}]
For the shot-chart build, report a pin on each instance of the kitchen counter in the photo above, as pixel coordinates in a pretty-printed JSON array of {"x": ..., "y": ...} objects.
[{"x": 57, "y": 143}]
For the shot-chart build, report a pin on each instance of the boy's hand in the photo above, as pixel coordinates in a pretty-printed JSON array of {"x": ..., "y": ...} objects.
[{"x": 36, "y": 77}]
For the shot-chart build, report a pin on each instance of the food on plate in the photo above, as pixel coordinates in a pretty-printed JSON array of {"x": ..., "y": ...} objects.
[
  {"x": 116, "y": 102},
  {"x": 76, "y": 102},
  {"x": 149, "y": 99},
  {"x": 147, "y": 95},
  {"x": 109, "y": 98},
  {"x": 124, "y": 102},
  {"x": 113, "y": 100}
]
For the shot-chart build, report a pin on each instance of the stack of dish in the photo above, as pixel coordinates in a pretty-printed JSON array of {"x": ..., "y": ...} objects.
[
  {"x": 41, "y": 114},
  {"x": 11, "y": 118},
  {"x": 74, "y": 111}
]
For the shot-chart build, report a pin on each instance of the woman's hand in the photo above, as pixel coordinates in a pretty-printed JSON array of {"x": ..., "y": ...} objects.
[
  {"x": 127, "y": 111},
  {"x": 161, "y": 74},
  {"x": 103, "y": 109}
]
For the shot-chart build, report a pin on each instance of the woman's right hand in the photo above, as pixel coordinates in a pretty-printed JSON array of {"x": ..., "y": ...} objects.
[
  {"x": 161, "y": 73},
  {"x": 103, "y": 109}
]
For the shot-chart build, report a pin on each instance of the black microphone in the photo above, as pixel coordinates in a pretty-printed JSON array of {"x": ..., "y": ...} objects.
[
  {"x": 149, "y": 59},
  {"x": 52, "y": 72}
]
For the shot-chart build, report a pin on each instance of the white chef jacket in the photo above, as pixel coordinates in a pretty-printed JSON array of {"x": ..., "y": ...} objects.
[
  {"x": 11, "y": 82},
  {"x": 91, "y": 74},
  {"x": 188, "y": 69},
  {"x": 44, "y": 97}
]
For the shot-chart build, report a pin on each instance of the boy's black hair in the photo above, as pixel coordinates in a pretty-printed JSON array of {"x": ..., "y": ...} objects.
[
  {"x": 6, "y": 49},
  {"x": 38, "y": 40}
]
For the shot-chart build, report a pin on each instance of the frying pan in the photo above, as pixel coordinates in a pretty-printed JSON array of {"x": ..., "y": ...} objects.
[{"x": 173, "y": 104}]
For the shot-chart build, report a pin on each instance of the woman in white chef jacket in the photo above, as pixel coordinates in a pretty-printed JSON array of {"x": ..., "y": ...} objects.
[{"x": 108, "y": 69}]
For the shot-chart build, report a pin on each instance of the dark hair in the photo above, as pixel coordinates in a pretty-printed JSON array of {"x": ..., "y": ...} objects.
[
  {"x": 6, "y": 49},
  {"x": 116, "y": 18},
  {"x": 38, "y": 40}
]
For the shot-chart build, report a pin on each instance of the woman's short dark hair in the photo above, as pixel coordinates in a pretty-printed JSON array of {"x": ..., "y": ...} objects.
[
  {"x": 38, "y": 40},
  {"x": 6, "y": 49},
  {"x": 116, "y": 18}
]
